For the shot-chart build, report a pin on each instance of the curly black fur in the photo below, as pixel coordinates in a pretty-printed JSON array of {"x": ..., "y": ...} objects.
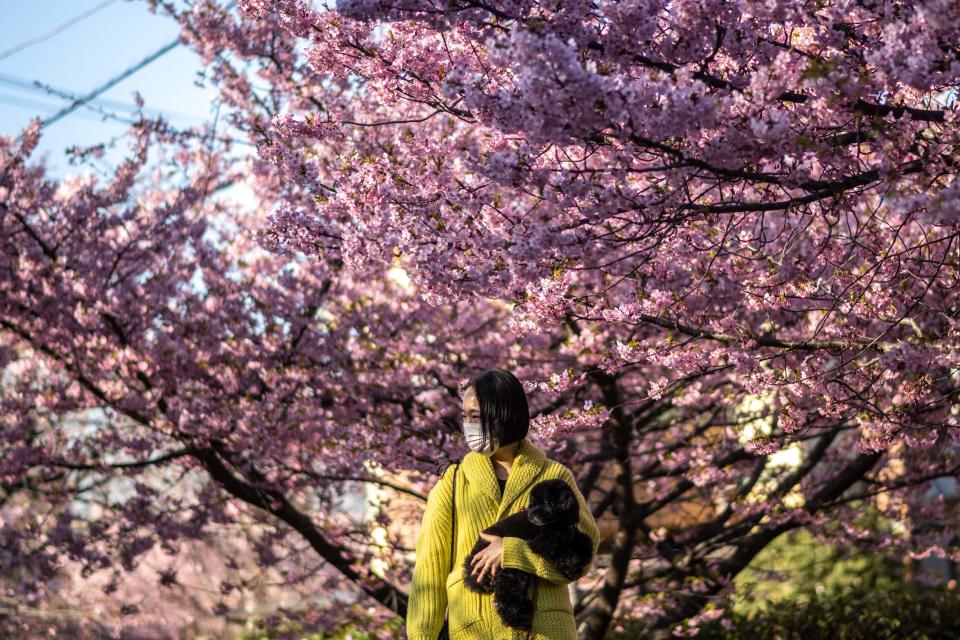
[{"x": 549, "y": 525}]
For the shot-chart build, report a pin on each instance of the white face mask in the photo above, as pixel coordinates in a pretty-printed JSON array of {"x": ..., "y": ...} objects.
[{"x": 474, "y": 435}]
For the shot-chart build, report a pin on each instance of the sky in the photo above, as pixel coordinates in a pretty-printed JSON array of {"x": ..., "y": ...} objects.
[{"x": 115, "y": 36}]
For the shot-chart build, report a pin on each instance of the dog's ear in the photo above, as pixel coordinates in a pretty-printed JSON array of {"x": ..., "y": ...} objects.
[
  {"x": 547, "y": 490},
  {"x": 564, "y": 503}
]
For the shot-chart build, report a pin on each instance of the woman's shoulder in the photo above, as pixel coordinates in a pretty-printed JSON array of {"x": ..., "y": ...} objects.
[
  {"x": 445, "y": 469},
  {"x": 440, "y": 494},
  {"x": 555, "y": 469},
  {"x": 444, "y": 466}
]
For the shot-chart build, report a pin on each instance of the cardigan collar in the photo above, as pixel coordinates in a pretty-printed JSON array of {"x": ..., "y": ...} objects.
[{"x": 527, "y": 465}]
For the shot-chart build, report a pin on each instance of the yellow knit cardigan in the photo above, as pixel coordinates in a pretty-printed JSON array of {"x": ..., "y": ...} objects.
[{"x": 478, "y": 502}]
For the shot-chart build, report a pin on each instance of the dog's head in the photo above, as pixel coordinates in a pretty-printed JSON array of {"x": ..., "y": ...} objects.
[{"x": 553, "y": 502}]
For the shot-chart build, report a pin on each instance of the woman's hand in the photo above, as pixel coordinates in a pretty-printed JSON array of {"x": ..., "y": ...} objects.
[{"x": 487, "y": 559}]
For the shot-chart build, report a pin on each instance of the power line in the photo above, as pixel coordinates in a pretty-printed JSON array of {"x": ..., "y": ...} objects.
[
  {"x": 110, "y": 83},
  {"x": 26, "y": 103},
  {"x": 86, "y": 100},
  {"x": 52, "y": 32},
  {"x": 78, "y": 102},
  {"x": 94, "y": 114},
  {"x": 35, "y": 86},
  {"x": 129, "y": 72},
  {"x": 99, "y": 114},
  {"x": 45, "y": 89},
  {"x": 96, "y": 107}
]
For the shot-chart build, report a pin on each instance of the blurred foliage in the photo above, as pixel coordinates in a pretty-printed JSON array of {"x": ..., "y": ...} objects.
[
  {"x": 798, "y": 568},
  {"x": 800, "y": 588},
  {"x": 901, "y": 614}
]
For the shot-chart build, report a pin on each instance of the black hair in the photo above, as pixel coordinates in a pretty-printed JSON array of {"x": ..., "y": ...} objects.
[{"x": 504, "y": 412}]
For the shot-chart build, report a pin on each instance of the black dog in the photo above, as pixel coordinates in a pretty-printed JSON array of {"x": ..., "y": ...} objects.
[{"x": 549, "y": 525}]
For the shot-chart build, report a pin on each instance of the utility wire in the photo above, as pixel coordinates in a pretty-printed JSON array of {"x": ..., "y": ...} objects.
[
  {"x": 85, "y": 101},
  {"x": 98, "y": 109},
  {"x": 77, "y": 103},
  {"x": 129, "y": 72},
  {"x": 52, "y": 32},
  {"x": 27, "y": 103},
  {"x": 110, "y": 83},
  {"x": 36, "y": 86}
]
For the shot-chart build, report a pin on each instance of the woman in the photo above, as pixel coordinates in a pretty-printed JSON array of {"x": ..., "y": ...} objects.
[{"x": 493, "y": 481}]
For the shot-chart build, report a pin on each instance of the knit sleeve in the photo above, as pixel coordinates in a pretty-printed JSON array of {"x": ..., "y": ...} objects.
[
  {"x": 517, "y": 553},
  {"x": 427, "y": 601}
]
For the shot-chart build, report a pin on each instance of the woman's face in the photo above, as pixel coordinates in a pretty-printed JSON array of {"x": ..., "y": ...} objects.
[
  {"x": 471, "y": 406},
  {"x": 471, "y": 424}
]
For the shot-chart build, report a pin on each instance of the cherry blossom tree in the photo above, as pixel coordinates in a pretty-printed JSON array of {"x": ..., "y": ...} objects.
[
  {"x": 737, "y": 220},
  {"x": 167, "y": 382},
  {"x": 717, "y": 241}
]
